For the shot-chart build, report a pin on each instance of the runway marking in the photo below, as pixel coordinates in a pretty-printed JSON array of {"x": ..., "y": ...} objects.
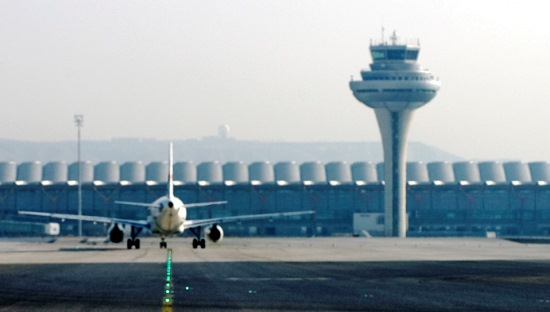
[
  {"x": 278, "y": 279},
  {"x": 78, "y": 248},
  {"x": 168, "y": 297}
]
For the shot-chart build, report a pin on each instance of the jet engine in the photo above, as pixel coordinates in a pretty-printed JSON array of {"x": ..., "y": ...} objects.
[
  {"x": 215, "y": 233},
  {"x": 116, "y": 234}
]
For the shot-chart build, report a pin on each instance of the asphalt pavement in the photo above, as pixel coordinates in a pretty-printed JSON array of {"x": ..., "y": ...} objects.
[{"x": 321, "y": 274}]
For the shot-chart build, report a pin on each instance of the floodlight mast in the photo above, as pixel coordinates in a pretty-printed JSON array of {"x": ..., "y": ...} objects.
[
  {"x": 79, "y": 121},
  {"x": 395, "y": 86}
]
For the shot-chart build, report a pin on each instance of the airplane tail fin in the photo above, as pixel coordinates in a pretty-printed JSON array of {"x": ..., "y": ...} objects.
[{"x": 171, "y": 173}]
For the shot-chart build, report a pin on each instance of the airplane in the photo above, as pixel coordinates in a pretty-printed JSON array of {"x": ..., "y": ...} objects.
[{"x": 167, "y": 217}]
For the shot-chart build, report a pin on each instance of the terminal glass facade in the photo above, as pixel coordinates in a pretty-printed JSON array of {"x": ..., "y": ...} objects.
[{"x": 433, "y": 210}]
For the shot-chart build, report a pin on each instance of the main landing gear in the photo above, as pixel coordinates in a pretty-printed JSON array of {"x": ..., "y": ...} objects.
[
  {"x": 134, "y": 241},
  {"x": 199, "y": 240}
]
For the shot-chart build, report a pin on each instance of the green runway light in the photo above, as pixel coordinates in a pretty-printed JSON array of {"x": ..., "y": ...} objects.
[
  {"x": 167, "y": 300},
  {"x": 187, "y": 288}
]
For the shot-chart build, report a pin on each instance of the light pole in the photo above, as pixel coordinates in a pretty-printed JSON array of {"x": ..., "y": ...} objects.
[{"x": 79, "y": 121}]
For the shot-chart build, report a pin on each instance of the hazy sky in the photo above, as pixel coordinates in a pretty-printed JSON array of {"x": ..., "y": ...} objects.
[{"x": 272, "y": 70}]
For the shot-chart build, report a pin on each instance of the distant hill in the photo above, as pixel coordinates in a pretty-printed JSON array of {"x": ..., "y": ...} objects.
[{"x": 210, "y": 149}]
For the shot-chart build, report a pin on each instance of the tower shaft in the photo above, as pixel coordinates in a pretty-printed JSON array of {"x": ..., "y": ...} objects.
[{"x": 394, "y": 128}]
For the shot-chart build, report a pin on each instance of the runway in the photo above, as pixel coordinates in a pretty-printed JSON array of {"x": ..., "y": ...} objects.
[{"x": 318, "y": 274}]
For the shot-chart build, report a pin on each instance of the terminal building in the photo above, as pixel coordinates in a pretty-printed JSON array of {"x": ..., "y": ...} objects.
[{"x": 463, "y": 198}]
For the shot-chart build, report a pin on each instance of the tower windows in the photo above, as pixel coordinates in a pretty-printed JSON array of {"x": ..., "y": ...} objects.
[
  {"x": 393, "y": 54},
  {"x": 396, "y": 55},
  {"x": 378, "y": 55},
  {"x": 412, "y": 55},
  {"x": 397, "y": 90}
]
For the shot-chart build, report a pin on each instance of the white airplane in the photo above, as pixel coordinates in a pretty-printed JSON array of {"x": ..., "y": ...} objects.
[{"x": 167, "y": 217}]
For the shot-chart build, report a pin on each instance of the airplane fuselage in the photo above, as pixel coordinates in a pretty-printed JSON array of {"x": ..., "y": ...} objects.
[{"x": 167, "y": 216}]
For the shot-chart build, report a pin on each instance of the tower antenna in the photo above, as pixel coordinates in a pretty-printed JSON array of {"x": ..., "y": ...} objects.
[{"x": 394, "y": 38}]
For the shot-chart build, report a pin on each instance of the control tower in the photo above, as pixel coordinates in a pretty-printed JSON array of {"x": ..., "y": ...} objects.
[{"x": 394, "y": 87}]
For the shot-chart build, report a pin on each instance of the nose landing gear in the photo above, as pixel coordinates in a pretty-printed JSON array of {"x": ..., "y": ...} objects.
[{"x": 163, "y": 244}]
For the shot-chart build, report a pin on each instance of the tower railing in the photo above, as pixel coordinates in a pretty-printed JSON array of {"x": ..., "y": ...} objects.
[{"x": 414, "y": 42}]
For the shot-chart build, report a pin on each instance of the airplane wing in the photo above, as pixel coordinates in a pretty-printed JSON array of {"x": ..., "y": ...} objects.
[
  {"x": 205, "y": 222},
  {"x": 137, "y": 223}
]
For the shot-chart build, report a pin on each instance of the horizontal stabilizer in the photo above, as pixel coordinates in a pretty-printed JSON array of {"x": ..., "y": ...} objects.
[
  {"x": 157, "y": 206},
  {"x": 135, "y": 204},
  {"x": 205, "y": 204}
]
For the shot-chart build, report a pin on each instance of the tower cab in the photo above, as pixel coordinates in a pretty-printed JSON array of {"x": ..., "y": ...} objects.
[
  {"x": 395, "y": 51},
  {"x": 400, "y": 53},
  {"x": 395, "y": 81},
  {"x": 394, "y": 55}
]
